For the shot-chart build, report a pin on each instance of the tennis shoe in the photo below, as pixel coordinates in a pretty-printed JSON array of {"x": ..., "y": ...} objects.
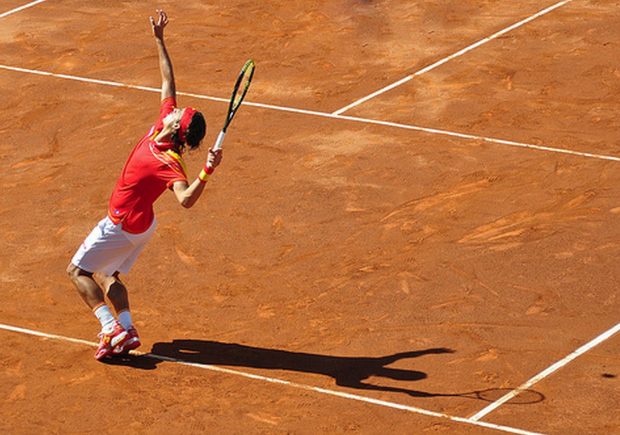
[
  {"x": 132, "y": 342},
  {"x": 108, "y": 341}
]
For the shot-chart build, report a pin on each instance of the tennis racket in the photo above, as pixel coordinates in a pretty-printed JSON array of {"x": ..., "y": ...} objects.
[{"x": 241, "y": 88}]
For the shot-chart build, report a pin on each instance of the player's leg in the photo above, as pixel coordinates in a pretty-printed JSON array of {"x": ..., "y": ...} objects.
[
  {"x": 86, "y": 286},
  {"x": 103, "y": 250},
  {"x": 112, "y": 333},
  {"x": 119, "y": 297},
  {"x": 117, "y": 291}
]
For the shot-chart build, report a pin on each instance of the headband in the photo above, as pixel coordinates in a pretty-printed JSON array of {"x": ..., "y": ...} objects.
[{"x": 186, "y": 119}]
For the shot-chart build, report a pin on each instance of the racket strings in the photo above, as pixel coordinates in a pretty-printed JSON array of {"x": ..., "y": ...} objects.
[{"x": 243, "y": 84}]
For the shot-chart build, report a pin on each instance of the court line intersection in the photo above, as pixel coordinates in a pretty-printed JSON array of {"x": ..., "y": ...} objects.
[
  {"x": 452, "y": 56},
  {"x": 474, "y": 419},
  {"x": 323, "y": 114},
  {"x": 552, "y": 368}
]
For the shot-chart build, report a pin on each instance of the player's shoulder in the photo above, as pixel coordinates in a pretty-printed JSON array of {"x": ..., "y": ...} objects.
[{"x": 176, "y": 160}]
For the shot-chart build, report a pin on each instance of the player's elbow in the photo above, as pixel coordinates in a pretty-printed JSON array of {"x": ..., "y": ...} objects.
[
  {"x": 183, "y": 197},
  {"x": 187, "y": 202}
]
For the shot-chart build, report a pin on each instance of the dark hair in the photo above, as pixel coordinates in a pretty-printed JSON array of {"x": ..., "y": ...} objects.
[
  {"x": 196, "y": 131},
  {"x": 194, "y": 134}
]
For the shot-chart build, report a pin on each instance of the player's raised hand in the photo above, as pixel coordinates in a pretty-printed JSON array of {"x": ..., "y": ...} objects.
[
  {"x": 159, "y": 24},
  {"x": 213, "y": 160}
]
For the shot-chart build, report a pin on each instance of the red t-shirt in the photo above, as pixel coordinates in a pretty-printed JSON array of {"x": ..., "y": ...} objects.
[{"x": 150, "y": 169}]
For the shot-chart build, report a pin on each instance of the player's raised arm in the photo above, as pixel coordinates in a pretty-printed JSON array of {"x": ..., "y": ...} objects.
[{"x": 158, "y": 24}]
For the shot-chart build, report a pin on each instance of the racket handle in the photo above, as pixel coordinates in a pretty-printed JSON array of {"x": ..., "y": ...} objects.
[{"x": 219, "y": 141}]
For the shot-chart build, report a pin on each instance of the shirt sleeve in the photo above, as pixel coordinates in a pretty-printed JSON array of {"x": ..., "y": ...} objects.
[
  {"x": 173, "y": 169},
  {"x": 167, "y": 106}
]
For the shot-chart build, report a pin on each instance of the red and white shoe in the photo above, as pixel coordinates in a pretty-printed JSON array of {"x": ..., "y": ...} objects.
[
  {"x": 132, "y": 342},
  {"x": 109, "y": 341}
]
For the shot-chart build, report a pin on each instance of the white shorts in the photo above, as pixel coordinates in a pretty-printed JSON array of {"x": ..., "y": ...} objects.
[{"x": 109, "y": 249}]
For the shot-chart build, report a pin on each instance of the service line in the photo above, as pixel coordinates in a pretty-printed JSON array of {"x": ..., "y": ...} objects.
[
  {"x": 452, "y": 56},
  {"x": 324, "y": 115},
  {"x": 296, "y": 385},
  {"x": 558, "y": 365},
  {"x": 21, "y": 8}
]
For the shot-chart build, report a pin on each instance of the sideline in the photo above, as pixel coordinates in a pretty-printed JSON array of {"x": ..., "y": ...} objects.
[
  {"x": 323, "y": 115},
  {"x": 296, "y": 385},
  {"x": 21, "y": 8},
  {"x": 452, "y": 56}
]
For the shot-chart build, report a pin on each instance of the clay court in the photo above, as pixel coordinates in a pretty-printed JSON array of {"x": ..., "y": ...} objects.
[{"x": 414, "y": 229}]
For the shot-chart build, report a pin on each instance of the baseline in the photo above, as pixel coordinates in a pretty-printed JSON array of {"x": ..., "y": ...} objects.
[
  {"x": 21, "y": 8},
  {"x": 558, "y": 365},
  {"x": 324, "y": 115},
  {"x": 326, "y": 391},
  {"x": 452, "y": 56}
]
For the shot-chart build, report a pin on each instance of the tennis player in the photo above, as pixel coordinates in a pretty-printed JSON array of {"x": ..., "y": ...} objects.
[{"x": 154, "y": 165}]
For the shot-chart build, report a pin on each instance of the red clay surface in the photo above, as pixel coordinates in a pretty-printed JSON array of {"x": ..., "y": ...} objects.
[
  {"x": 549, "y": 82},
  {"x": 322, "y": 246}
]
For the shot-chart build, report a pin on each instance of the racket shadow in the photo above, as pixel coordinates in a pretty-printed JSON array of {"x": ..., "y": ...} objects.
[{"x": 525, "y": 397}]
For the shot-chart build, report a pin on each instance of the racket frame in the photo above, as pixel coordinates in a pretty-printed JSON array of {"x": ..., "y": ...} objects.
[{"x": 247, "y": 72}]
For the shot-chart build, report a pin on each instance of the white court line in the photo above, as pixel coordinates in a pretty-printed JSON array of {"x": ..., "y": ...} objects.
[
  {"x": 21, "y": 8},
  {"x": 324, "y": 115},
  {"x": 452, "y": 56},
  {"x": 482, "y": 138},
  {"x": 583, "y": 349},
  {"x": 104, "y": 82},
  {"x": 326, "y": 391}
]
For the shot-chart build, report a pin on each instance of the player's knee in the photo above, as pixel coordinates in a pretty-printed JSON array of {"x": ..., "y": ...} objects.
[
  {"x": 74, "y": 272},
  {"x": 71, "y": 271},
  {"x": 111, "y": 282}
]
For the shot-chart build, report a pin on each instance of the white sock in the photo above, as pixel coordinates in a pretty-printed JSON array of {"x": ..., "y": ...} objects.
[
  {"x": 124, "y": 317},
  {"x": 105, "y": 317}
]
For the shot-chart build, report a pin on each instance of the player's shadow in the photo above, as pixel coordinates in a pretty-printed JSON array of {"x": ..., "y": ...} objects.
[{"x": 346, "y": 371}]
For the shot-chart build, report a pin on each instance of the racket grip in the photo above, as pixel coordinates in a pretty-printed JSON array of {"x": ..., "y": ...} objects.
[{"x": 219, "y": 141}]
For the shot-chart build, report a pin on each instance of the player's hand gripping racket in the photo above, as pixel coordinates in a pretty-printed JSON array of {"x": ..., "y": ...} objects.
[{"x": 241, "y": 88}]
